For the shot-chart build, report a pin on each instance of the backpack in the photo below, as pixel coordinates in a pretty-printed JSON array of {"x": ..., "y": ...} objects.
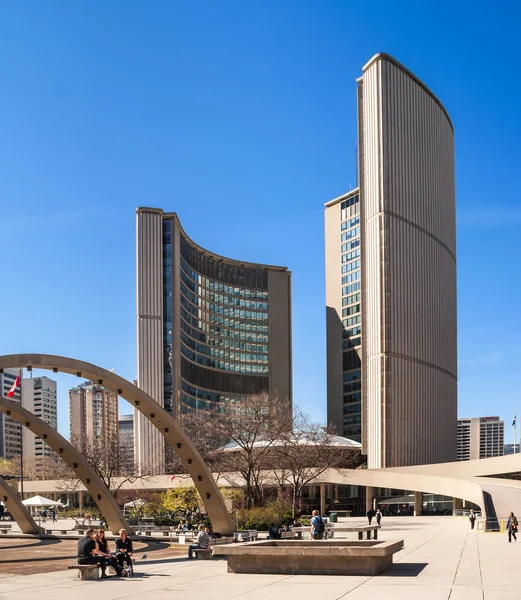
[{"x": 319, "y": 525}]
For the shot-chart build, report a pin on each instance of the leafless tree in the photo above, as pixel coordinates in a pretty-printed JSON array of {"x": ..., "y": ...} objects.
[
  {"x": 305, "y": 452},
  {"x": 250, "y": 428}
]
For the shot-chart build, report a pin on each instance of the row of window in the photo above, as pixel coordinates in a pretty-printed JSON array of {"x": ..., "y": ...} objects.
[
  {"x": 351, "y": 343},
  {"x": 350, "y": 267},
  {"x": 353, "y": 398},
  {"x": 350, "y": 255},
  {"x": 355, "y": 386},
  {"x": 211, "y": 396},
  {"x": 204, "y": 293},
  {"x": 351, "y": 277},
  {"x": 226, "y": 322},
  {"x": 349, "y": 202},
  {"x": 222, "y": 365},
  {"x": 219, "y": 309},
  {"x": 353, "y": 420},
  {"x": 350, "y": 245},
  {"x": 351, "y": 321},
  {"x": 350, "y": 234},
  {"x": 257, "y": 341},
  {"x": 351, "y": 299},
  {"x": 350, "y": 223},
  {"x": 352, "y": 376},
  {"x": 350, "y": 409},
  {"x": 217, "y": 286},
  {"x": 223, "y": 354},
  {"x": 351, "y": 310},
  {"x": 349, "y": 289}
]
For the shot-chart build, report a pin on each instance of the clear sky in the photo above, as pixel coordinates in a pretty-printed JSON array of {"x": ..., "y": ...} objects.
[{"x": 240, "y": 116}]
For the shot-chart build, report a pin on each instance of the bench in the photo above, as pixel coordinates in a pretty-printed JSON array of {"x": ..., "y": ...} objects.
[
  {"x": 86, "y": 572},
  {"x": 203, "y": 553}
]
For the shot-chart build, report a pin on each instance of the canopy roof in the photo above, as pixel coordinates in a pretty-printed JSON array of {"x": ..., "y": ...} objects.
[
  {"x": 327, "y": 440},
  {"x": 40, "y": 501}
]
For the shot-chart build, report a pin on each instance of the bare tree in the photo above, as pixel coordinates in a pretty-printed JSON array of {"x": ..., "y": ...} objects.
[
  {"x": 109, "y": 457},
  {"x": 305, "y": 452},
  {"x": 250, "y": 428}
]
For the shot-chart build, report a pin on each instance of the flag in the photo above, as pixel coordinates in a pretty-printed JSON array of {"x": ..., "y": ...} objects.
[
  {"x": 16, "y": 384},
  {"x": 514, "y": 422},
  {"x": 172, "y": 478}
]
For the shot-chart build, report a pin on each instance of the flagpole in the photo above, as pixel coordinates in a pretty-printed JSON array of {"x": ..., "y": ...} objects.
[
  {"x": 515, "y": 432},
  {"x": 21, "y": 444}
]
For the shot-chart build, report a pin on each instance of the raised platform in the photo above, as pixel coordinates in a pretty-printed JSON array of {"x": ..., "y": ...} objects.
[{"x": 314, "y": 557}]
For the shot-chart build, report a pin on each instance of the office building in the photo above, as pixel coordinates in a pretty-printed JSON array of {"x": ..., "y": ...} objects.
[
  {"x": 126, "y": 438},
  {"x": 10, "y": 430},
  {"x": 391, "y": 277},
  {"x": 510, "y": 449},
  {"x": 39, "y": 396},
  {"x": 210, "y": 330},
  {"x": 480, "y": 438},
  {"x": 93, "y": 412}
]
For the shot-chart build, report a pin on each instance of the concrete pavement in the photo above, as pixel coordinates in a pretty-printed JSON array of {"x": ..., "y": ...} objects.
[{"x": 442, "y": 560}]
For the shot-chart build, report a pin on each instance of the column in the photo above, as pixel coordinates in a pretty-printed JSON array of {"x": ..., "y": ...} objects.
[
  {"x": 457, "y": 504},
  {"x": 322, "y": 498},
  {"x": 418, "y": 502},
  {"x": 80, "y": 499},
  {"x": 369, "y": 501}
]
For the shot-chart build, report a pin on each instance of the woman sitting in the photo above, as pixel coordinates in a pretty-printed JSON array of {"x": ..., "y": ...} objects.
[
  {"x": 101, "y": 542},
  {"x": 124, "y": 550}
]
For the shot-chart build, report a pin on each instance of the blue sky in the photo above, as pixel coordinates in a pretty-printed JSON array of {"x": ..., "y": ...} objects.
[{"x": 240, "y": 116}]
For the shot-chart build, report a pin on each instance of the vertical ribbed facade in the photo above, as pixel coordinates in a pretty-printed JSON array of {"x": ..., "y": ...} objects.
[
  {"x": 407, "y": 191},
  {"x": 149, "y": 443}
]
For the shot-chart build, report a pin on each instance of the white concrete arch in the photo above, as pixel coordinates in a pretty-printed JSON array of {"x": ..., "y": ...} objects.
[
  {"x": 16, "y": 509},
  {"x": 156, "y": 414}
]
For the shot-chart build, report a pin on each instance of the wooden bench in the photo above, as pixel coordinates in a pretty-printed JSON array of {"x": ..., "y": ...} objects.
[{"x": 86, "y": 572}]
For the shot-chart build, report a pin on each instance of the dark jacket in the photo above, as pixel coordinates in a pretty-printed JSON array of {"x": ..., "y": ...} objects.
[{"x": 512, "y": 524}]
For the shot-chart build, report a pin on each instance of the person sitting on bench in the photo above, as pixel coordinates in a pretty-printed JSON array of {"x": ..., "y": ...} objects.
[
  {"x": 124, "y": 550},
  {"x": 88, "y": 554},
  {"x": 202, "y": 542}
]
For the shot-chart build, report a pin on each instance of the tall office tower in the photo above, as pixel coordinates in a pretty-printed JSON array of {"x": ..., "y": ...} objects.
[
  {"x": 392, "y": 377},
  {"x": 39, "y": 397},
  {"x": 483, "y": 437},
  {"x": 126, "y": 438},
  {"x": 10, "y": 430},
  {"x": 93, "y": 412},
  {"x": 210, "y": 330}
]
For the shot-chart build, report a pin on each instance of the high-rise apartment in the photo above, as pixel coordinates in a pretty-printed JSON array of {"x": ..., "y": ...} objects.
[
  {"x": 39, "y": 397},
  {"x": 211, "y": 330},
  {"x": 93, "y": 412},
  {"x": 480, "y": 438},
  {"x": 10, "y": 430},
  {"x": 126, "y": 438},
  {"x": 391, "y": 277}
]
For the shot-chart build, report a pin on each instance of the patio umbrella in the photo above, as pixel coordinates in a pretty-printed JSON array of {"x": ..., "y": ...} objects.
[{"x": 40, "y": 501}]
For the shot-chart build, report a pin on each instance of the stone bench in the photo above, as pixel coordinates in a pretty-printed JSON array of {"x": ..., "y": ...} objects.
[
  {"x": 203, "y": 553},
  {"x": 86, "y": 572}
]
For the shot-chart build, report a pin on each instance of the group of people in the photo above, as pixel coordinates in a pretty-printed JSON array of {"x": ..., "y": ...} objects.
[
  {"x": 275, "y": 532},
  {"x": 94, "y": 549},
  {"x": 372, "y": 513},
  {"x": 48, "y": 513},
  {"x": 512, "y": 525}
]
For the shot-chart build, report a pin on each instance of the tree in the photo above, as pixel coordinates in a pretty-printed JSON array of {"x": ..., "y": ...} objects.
[
  {"x": 250, "y": 428},
  {"x": 305, "y": 452},
  {"x": 109, "y": 457},
  {"x": 184, "y": 500}
]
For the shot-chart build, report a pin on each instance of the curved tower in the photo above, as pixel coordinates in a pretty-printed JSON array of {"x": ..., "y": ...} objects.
[
  {"x": 211, "y": 330},
  {"x": 404, "y": 352}
]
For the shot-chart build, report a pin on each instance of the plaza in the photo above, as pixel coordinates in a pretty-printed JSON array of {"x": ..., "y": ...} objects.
[{"x": 442, "y": 559}]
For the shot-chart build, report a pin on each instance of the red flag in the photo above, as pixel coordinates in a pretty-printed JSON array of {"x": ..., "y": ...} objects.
[
  {"x": 16, "y": 384},
  {"x": 172, "y": 478}
]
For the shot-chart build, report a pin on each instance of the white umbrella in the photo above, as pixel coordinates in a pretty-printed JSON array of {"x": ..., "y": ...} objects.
[
  {"x": 40, "y": 501},
  {"x": 134, "y": 504}
]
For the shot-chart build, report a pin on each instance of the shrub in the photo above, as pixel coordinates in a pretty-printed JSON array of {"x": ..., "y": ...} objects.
[{"x": 260, "y": 518}]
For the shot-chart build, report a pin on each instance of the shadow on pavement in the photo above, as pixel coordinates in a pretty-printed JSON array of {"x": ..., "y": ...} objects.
[
  {"x": 404, "y": 570},
  {"x": 41, "y": 543}
]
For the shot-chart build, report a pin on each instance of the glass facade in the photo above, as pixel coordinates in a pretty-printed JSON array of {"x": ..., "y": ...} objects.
[
  {"x": 351, "y": 317},
  {"x": 223, "y": 309}
]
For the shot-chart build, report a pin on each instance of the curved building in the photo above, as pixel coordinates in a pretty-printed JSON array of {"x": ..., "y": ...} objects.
[
  {"x": 402, "y": 352},
  {"x": 211, "y": 330}
]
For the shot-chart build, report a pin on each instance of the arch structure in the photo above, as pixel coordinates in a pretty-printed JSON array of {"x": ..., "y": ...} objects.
[
  {"x": 154, "y": 412},
  {"x": 74, "y": 460},
  {"x": 16, "y": 509}
]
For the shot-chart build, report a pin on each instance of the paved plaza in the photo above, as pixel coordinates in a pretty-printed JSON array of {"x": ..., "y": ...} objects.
[{"x": 442, "y": 560}]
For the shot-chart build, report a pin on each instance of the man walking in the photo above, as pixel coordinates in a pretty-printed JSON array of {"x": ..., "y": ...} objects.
[
  {"x": 88, "y": 554},
  {"x": 472, "y": 518},
  {"x": 370, "y": 514}
]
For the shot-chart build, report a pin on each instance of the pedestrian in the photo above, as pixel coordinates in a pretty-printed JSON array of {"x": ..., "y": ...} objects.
[
  {"x": 512, "y": 527},
  {"x": 52, "y": 513},
  {"x": 378, "y": 516},
  {"x": 318, "y": 526},
  {"x": 370, "y": 514},
  {"x": 472, "y": 518},
  {"x": 88, "y": 554}
]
